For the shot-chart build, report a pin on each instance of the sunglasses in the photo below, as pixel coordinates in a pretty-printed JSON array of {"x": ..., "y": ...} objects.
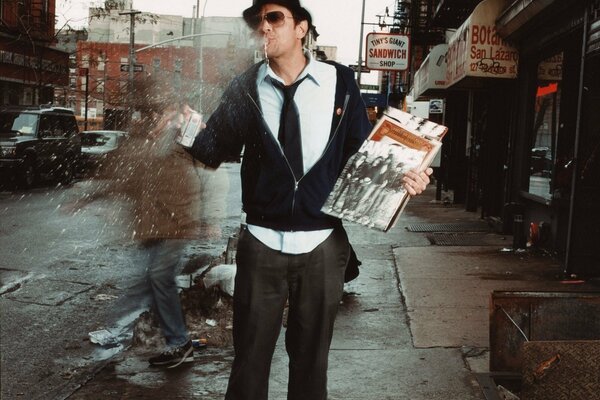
[{"x": 274, "y": 18}]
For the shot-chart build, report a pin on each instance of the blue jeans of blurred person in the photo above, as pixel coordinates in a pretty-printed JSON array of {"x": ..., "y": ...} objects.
[{"x": 163, "y": 259}]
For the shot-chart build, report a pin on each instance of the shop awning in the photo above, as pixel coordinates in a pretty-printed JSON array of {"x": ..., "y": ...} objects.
[
  {"x": 477, "y": 51},
  {"x": 452, "y": 13},
  {"x": 516, "y": 16},
  {"x": 430, "y": 79}
]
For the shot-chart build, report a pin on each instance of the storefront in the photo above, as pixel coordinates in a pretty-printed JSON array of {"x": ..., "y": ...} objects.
[
  {"x": 554, "y": 170},
  {"x": 428, "y": 94},
  {"x": 30, "y": 71},
  {"x": 481, "y": 80},
  {"x": 430, "y": 78}
]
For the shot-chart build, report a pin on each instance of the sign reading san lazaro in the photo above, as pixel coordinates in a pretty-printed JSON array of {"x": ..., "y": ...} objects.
[
  {"x": 387, "y": 51},
  {"x": 476, "y": 50}
]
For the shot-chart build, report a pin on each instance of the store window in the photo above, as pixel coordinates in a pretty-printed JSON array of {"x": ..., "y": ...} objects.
[
  {"x": 101, "y": 62},
  {"x": 544, "y": 137}
]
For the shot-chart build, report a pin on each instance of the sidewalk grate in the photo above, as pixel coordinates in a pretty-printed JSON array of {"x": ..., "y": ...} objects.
[
  {"x": 459, "y": 239},
  {"x": 479, "y": 226}
]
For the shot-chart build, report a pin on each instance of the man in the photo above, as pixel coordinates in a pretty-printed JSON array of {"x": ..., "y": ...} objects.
[
  {"x": 290, "y": 250},
  {"x": 167, "y": 216},
  {"x": 160, "y": 190}
]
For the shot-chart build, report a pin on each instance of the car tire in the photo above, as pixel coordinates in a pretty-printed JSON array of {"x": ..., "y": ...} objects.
[{"x": 28, "y": 174}]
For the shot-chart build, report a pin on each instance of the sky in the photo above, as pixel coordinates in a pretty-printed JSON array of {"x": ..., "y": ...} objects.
[{"x": 337, "y": 21}]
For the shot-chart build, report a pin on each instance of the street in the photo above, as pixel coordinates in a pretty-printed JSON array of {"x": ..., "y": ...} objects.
[
  {"x": 485, "y": 287},
  {"x": 66, "y": 271},
  {"x": 375, "y": 353},
  {"x": 413, "y": 326}
]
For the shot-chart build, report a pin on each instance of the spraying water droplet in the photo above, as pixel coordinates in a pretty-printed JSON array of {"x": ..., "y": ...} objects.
[{"x": 265, "y": 45}]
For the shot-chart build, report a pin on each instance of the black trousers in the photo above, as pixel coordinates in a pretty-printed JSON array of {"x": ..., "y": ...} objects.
[{"x": 265, "y": 279}]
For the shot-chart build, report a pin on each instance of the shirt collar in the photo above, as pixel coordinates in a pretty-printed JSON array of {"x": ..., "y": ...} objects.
[{"x": 309, "y": 70}]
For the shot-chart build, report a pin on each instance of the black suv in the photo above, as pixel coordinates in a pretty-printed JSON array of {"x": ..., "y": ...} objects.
[{"x": 38, "y": 142}]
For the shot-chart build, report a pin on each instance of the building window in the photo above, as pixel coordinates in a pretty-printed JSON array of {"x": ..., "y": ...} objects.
[
  {"x": 28, "y": 97},
  {"x": 73, "y": 61},
  {"x": 544, "y": 135},
  {"x": 101, "y": 62},
  {"x": 178, "y": 65}
]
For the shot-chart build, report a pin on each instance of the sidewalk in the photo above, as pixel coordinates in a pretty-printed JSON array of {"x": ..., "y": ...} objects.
[{"x": 412, "y": 326}]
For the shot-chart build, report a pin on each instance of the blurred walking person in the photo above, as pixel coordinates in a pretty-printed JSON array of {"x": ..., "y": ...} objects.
[{"x": 157, "y": 182}]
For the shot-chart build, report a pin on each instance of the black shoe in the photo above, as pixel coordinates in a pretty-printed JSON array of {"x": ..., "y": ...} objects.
[{"x": 174, "y": 356}]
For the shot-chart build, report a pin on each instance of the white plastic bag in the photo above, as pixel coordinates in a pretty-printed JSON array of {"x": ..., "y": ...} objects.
[{"x": 222, "y": 275}]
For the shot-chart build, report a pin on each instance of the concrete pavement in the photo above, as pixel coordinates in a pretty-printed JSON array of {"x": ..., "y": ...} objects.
[{"x": 412, "y": 326}]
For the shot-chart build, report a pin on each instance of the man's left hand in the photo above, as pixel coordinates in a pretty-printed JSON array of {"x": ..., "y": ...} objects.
[{"x": 416, "y": 182}]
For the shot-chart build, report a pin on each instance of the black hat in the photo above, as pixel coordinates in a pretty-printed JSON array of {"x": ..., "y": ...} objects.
[{"x": 294, "y": 6}]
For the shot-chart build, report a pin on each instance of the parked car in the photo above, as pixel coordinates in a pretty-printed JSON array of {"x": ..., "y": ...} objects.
[
  {"x": 97, "y": 146},
  {"x": 38, "y": 143}
]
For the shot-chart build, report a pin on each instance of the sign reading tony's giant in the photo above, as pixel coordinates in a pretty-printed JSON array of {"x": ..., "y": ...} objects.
[
  {"x": 387, "y": 51},
  {"x": 477, "y": 50}
]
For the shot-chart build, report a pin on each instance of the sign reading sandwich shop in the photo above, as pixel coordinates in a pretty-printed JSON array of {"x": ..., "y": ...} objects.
[{"x": 387, "y": 52}]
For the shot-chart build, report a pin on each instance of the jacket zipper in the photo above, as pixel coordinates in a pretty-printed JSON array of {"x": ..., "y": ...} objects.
[
  {"x": 272, "y": 138},
  {"x": 297, "y": 181}
]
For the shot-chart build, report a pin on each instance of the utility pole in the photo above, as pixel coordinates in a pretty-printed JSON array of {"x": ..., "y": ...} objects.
[
  {"x": 87, "y": 93},
  {"x": 85, "y": 72},
  {"x": 132, "y": 61},
  {"x": 201, "y": 66},
  {"x": 195, "y": 13},
  {"x": 360, "y": 44},
  {"x": 196, "y": 25}
]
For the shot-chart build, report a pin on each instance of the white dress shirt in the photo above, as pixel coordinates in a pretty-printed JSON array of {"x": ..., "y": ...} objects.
[{"x": 315, "y": 101}]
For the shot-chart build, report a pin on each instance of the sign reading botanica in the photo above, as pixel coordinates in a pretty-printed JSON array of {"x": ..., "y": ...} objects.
[{"x": 476, "y": 49}]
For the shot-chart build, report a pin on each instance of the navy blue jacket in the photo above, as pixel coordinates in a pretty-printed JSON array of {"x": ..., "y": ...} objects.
[{"x": 271, "y": 196}]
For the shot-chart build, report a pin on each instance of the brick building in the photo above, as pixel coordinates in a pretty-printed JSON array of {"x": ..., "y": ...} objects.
[
  {"x": 176, "y": 60},
  {"x": 162, "y": 76},
  {"x": 30, "y": 65}
]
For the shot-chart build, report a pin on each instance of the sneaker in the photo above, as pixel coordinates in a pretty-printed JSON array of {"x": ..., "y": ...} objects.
[{"x": 174, "y": 356}]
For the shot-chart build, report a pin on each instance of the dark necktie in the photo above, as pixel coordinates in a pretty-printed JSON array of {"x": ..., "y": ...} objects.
[{"x": 289, "y": 127}]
